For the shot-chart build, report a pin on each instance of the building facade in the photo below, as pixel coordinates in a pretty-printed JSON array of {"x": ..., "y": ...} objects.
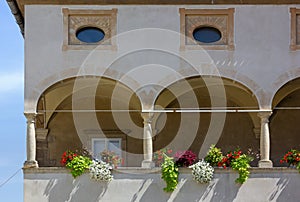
[{"x": 138, "y": 76}]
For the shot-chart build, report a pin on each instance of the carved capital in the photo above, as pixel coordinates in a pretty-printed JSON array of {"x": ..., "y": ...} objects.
[
  {"x": 264, "y": 116},
  {"x": 147, "y": 117},
  {"x": 30, "y": 117}
]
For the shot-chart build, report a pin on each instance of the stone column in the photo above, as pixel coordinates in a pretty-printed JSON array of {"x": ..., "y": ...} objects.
[
  {"x": 31, "y": 142},
  {"x": 265, "y": 161},
  {"x": 147, "y": 140}
]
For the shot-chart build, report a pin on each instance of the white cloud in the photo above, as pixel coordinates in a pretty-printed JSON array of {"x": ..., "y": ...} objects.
[{"x": 11, "y": 81}]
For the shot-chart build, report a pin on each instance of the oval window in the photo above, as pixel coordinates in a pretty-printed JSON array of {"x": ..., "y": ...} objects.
[
  {"x": 90, "y": 34},
  {"x": 207, "y": 34}
]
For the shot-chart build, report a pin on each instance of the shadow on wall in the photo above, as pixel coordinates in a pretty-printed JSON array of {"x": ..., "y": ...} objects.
[
  {"x": 76, "y": 190},
  {"x": 283, "y": 188},
  {"x": 148, "y": 187}
]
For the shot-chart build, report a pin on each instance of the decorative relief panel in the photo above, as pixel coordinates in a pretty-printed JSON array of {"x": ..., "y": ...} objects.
[
  {"x": 295, "y": 29},
  {"x": 74, "y": 20},
  {"x": 221, "y": 19}
]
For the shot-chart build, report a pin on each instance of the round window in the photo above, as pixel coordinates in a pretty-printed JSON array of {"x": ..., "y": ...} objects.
[
  {"x": 90, "y": 34},
  {"x": 207, "y": 34}
]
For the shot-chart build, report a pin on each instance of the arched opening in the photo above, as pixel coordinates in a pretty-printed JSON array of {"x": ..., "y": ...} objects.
[
  {"x": 237, "y": 130},
  {"x": 284, "y": 122},
  {"x": 82, "y": 112}
]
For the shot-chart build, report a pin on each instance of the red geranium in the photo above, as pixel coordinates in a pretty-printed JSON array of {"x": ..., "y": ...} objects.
[
  {"x": 292, "y": 157},
  {"x": 226, "y": 161},
  {"x": 67, "y": 157}
]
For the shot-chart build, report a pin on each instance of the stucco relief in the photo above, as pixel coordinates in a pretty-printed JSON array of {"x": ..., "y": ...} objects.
[
  {"x": 222, "y": 19},
  {"x": 76, "y": 22},
  {"x": 194, "y": 21},
  {"x": 73, "y": 20}
]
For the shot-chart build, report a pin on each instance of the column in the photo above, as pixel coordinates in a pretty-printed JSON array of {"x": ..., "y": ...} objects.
[
  {"x": 265, "y": 161},
  {"x": 31, "y": 141},
  {"x": 147, "y": 140}
]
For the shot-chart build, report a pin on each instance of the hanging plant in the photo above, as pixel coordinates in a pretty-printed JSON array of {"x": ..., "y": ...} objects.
[
  {"x": 236, "y": 160},
  {"x": 100, "y": 171},
  {"x": 170, "y": 174},
  {"x": 78, "y": 165},
  {"x": 202, "y": 172}
]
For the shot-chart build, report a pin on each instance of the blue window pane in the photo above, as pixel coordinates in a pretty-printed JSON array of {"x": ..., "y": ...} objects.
[
  {"x": 207, "y": 34},
  {"x": 90, "y": 34}
]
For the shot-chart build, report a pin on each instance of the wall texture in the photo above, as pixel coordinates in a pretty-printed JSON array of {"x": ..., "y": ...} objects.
[
  {"x": 261, "y": 39},
  {"x": 141, "y": 185}
]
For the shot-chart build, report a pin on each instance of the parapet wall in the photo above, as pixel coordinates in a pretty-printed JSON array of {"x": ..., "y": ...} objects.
[{"x": 136, "y": 184}]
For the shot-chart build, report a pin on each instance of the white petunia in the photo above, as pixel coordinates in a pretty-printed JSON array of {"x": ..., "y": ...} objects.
[{"x": 202, "y": 172}]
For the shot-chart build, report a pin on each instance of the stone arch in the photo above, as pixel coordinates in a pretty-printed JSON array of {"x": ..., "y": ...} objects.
[
  {"x": 281, "y": 81},
  {"x": 31, "y": 99},
  {"x": 238, "y": 95},
  {"x": 233, "y": 75},
  {"x": 73, "y": 128},
  {"x": 284, "y": 124}
]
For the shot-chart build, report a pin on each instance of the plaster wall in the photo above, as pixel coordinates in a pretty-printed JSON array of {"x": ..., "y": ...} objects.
[
  {"x": 261, "y": 38},
  {"x": 56, "y": 184}
]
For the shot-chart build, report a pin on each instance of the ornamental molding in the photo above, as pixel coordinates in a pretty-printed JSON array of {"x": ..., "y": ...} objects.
[
  {"x": 221, "y": 19},
  {"x": 73, "y": 20}
]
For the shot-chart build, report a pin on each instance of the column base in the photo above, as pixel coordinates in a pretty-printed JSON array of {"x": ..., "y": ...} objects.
[
  {"x": 30, "y": 164},
  {"x": 148, "y": 164},
  {"x": 265, "y": 164}
]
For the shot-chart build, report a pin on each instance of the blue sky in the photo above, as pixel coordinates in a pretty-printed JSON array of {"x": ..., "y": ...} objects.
[{"x": 12, "y": 120}]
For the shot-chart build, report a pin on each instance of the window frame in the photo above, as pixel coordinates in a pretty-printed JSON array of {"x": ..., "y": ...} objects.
[
  {"x": 293, "y": 40},
  {"x": 85, "y": 14},
  {"x": 227, "y": 13},
  {"x": 106, "y": 142}
]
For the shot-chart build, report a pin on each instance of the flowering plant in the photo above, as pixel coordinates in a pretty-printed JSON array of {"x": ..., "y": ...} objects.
[
  {"x": 67, "y": 157},
  {"x": 78, "y": 165},
  {"x": 169, "y": 173},
  {"x": 236, "y": 160},
  {"x": 111, "y": 158},
  {"x": 100, "y": 171},
  {"x": 230, "y": 156},
  {"x": 214, "y": 156},
  {"x": 159, "y": 155},
  {"x": 202, "y": 171},
  {"x": 292, "y": 157},
  {"x": 184, "y": 158}
]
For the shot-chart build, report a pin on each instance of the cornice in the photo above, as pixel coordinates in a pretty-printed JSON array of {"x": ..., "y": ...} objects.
[{"x": 17, "y": 14}]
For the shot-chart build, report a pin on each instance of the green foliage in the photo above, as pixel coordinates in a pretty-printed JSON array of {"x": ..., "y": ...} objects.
[
  {"x": 214, "y": 156},
  {"x": 169, "y": 174},
  {"x": 241, "y": 165},
  {"x": 298, "y": 167},
  {"x": 78, "y": 165},
  {"x": 236, "y": 160}
]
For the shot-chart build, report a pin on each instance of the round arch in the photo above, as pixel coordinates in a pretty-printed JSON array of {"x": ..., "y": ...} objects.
[
  {"x": 73, "y": 126},
  {"x": 238, "y": 129},
  {"x": 284, "y": 124}
]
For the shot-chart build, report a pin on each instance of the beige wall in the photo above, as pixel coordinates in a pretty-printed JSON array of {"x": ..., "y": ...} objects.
[
  {"x": 41, "y": 185},
  {"x": 261, "y": 61},
  {"x": 261, "y": 37}
]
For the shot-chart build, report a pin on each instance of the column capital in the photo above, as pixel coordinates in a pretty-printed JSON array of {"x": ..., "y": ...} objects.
[
  {"x": 30, "y": 117},
  {"x": 147, "y": 116},
  {"x": 264, "y": 116}
]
